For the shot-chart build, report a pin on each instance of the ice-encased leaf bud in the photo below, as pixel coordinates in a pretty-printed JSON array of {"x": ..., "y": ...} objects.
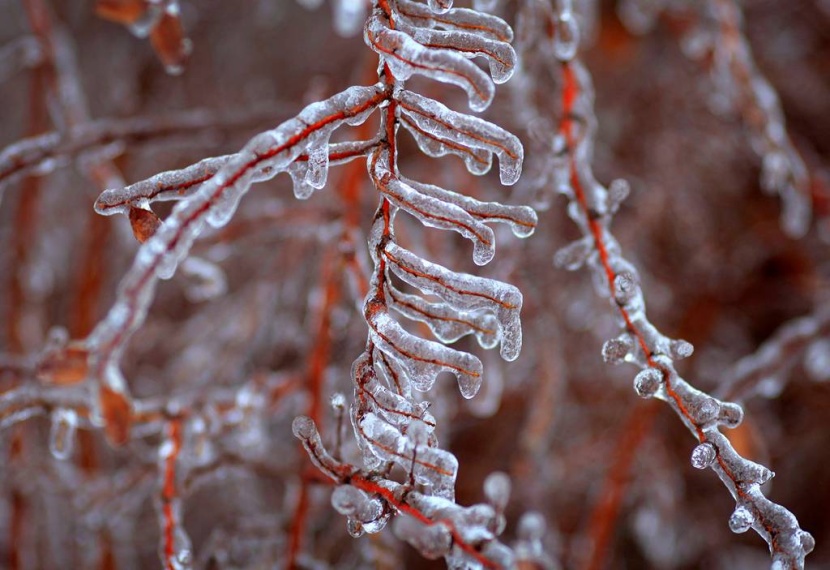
[
  {"x": 531, "y": 526},
  {"x": 615, "y": 350},
  {"x": 731, "y": 415},
  {"x": 681, "y": 349},
  {"x": 703, "y": 455},
  {"x": 647, "y": 382}
]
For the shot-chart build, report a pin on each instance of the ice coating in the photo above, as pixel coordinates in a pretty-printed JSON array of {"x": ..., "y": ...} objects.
[{"x": 441, "y": 122}]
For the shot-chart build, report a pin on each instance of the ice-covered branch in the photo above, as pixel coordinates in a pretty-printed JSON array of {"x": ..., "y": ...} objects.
[{"x": 592, "y": 207}]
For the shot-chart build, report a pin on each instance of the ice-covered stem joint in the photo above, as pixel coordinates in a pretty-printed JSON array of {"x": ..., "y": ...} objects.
[
  {"x": 592, "y": 207},
  {"x": 436, "y": 526}
]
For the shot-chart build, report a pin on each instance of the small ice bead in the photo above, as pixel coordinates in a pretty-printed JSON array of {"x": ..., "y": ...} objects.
[
  {"x": 618, "y": 191},
  {"x": 338, "y": 401},
  {"x": 354, "y": 528},
  {"x": 532, "y": 526},
  {"x": 647, "y": 382},
  {"x": 741, "y": 520},
  {"x": 731, "y": 415},
  {"x": 808, "y": 543},
  {"x": 303, "y": 427},
  {"x": 440, "y": 6},
  {"x": 625, "y": 287},
  {"x": 707, "y": 411},
  {"x": 681, "y": 349},
  {"x": 497, "y": 489},
  {"x": 566, "y": 41},
  {"x": 703, "y": 455},
  {"x": 615, "y": 350}
]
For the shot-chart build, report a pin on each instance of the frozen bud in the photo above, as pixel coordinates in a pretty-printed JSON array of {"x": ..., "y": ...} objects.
[
  {"x": 615, "y": 350},
  {"x": 707, "y": 411},
  {"x": 762, "y": 475},
  {"x": 618, "y": 191},
  {"x": 681, "y": 349},
  {"x": 345, "y": 499},
  {"x": 625, "y": 288},
  {"x": 440, "y": 6},
  {"x": 741, "y": 520},
  {"x": 566, "y": 41},
  {"x": 532, "y": 526},
  {"x": 703, "y": 455},
  {"x": 647, "y": 382},
  {"x": 338, "y": 401},
  {"x": 731, "y": 415},
  {"x": 303, "y": 427},
  {"x": 808, "y": 543},
  {"x": 497, "y": 490}
]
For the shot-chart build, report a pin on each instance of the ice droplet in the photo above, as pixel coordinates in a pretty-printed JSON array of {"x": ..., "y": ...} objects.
[
  {"x": 497, "y": 490},
  {"x": 647, "y": 382},
  {"x": 731, "y": 415},
  {"x": 532, "y": 526},
  {"x": 703, "y": 455},
  {"x": 354, "y": 528},
  {"x": 808, "y": 543},
  {"x": 741, "y": 520},
  {"x": 615, "y": 350},
  {"x": 566, "y": 41},
  {"x": 681, "y": 349},
  {"x": 338, "y": 401}
]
